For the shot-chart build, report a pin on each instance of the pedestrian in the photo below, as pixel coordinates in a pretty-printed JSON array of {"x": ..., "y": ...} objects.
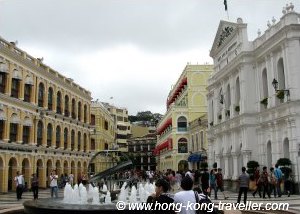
[
  {"x": 220, "y": 183},
  {"x": 161, "y": 196},
  {"x": 53, "y": 183},
  {"x": 257, "y": 182},
  {"x": 178, "y": 178},
  {"x": 212, "y": 183},
  {"x": 34, "y": 186},
  {"x": 278, "y": 177},
  {"x": 244, "y": 185},
  {"x": 287, "y": 182},
  {"x": 186, "y": 196},
  {"x": 205, "y": 181},
  {"x": 272, "y": 182},
  {"x": 71, "y": 179},
  {"x": 20, "y": 183},
  {"x": 264, "y": 182}
]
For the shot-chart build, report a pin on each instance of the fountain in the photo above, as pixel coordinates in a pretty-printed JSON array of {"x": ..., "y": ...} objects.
[{"x": 89, "y": 199}]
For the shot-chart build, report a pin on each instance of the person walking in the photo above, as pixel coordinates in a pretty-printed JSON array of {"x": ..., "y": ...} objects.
[
  {"x": 205, "y": 181},
  {"x": 53, "y": 183},
  {"x": 20, "y": 183},
  {"x": 244, "y": 185},
  {"x": 278, "y": 177},
  {"x": 212, "y": 183},
  {"x": 220, "y": 183},
  {"x": 34, "y": 186},
  {"x": 272, "y": 183},
  {"x": 265, "y": 183},
  {"x": 257, "y": 181}
]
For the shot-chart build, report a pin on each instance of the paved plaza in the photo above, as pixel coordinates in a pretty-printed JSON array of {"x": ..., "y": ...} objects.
[{"x": 9, "y": 202}]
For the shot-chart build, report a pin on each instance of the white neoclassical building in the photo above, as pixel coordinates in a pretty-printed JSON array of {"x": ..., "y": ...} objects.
[{"x": 248, "y": 119}]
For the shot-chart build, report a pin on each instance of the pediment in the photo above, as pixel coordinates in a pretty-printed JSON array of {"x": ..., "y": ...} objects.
[{"x": 225, "y": 32}]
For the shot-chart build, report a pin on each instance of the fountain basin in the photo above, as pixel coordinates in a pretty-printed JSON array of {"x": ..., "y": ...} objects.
[{"x": 55, "y": 206}]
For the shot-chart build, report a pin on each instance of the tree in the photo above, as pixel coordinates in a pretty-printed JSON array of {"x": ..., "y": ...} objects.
[
  {"x": 215, "y": 165},
  {"x": 251, "y": 165},
  {"x": 203, "y": 165},
  {"x": 285, "y": 164}
]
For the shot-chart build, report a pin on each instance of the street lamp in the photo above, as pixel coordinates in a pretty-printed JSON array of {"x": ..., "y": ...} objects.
[{"x": 285, "y": 91}]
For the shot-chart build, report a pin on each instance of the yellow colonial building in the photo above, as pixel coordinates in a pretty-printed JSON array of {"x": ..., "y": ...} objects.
[
  {"x": 122, "y": 125},
  {"x": 186, "y": 102},
  {"x": 198, "y": 144},
  {"x": 102, "y": 135},
  {"x": 44, "y": 119}
]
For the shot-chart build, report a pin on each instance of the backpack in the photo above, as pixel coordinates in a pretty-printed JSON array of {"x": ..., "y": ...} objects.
[{"x": 204, "y": 199}]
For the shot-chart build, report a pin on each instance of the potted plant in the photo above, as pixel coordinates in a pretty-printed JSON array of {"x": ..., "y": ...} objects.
[
  {"x": 264, "y": 101},
  {"x": 237, "y": 108},
  {"x": 280, "y": 95}
]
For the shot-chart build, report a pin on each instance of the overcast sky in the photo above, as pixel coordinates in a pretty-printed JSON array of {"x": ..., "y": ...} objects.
[{"x": 131, "y": 50}]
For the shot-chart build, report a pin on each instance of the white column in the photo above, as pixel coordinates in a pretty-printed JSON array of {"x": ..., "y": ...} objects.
[
  {"x": 226, "y": 171},
  {"x": 235, "y": 166}
]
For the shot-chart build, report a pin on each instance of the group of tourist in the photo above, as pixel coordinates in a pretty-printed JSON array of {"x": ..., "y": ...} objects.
[{"x": 270, "y": 182}]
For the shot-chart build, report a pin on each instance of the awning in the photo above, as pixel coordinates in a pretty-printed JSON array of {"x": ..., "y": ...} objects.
[
  {"x": 164, "y": 126},
  {"x": 181, "y": 85},
  {"x": 166, "y": 144},
  {"x": 194, "y": 158}
]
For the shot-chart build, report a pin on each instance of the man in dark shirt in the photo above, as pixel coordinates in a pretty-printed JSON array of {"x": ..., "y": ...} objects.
[{"x": 244, "y": 185}]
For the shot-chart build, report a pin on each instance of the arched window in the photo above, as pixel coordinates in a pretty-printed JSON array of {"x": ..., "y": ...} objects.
[
  {"x": 65, "y": 138},
  {"x": 79, "y": 111},
  {"x": 41, "y": 95},
  {"x": 265, "y": 84},
  {"x": 286, "y": 148},
  {"x": 15, "y": 87},
  {"x": 182, "y": 124},
  {"x": 27, "y": 92},
  {"x": 281, "y": 75},
  {"x": 50, "y": 99},
  {"x": 72, "y": 140},
  {"x": 58, "y": 103},
  {"x": 79, "y": 141},
  {"x": 237, "y": 92},
  {"x": 13, "y": 134},
  {"x": 73, "y": 109},
  {"x": 40, "y": 133},
  {"x": 85, "y": 142},
  {"x": 58, "y": 133},
  {"x": 182, "y": 145},
  {"x": 67, "y": 112},
  {"x": 49, "y": 135},
  {"x": 85, "y": 114},
  {"x": 3, "y": 77},
  {"x": 228, "y": 98}
]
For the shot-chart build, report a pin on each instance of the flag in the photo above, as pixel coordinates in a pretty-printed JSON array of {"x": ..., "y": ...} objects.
[{"x": 225, "y": 4}]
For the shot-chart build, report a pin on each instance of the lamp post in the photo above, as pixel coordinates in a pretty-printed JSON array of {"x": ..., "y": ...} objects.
[{"x": 285, "y": 91}]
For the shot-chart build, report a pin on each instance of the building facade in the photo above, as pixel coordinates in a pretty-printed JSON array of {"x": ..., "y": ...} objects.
[
  {"x": 140, "y": 150},
  {"x": 123, "y": 127},
  {"x": 186, "y": 102},
  {"x": 102, "y": 135},
  {"x": 249, "y": 119},
  {"x": 198, "y": 142},
  {"x": 44, "y": 119}
]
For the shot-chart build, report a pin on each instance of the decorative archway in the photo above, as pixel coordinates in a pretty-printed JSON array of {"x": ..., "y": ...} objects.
[
  {"x": 48, "y": 171},
  {"x": 66, "y": 167},
  {"x": 26, "y": 171},
  {"x": 58, "y": 168},
  {"x": 286, "y": 148},
  {"x": 2, "y": 184},
  {"x": 12, "y": 172},
  {"x": 41, "y": 173}
]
